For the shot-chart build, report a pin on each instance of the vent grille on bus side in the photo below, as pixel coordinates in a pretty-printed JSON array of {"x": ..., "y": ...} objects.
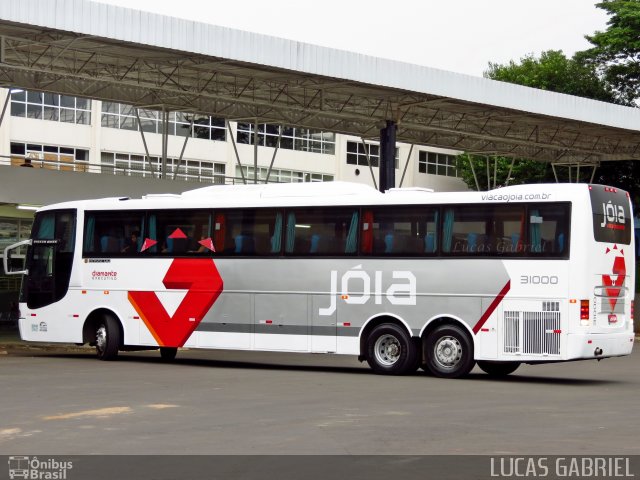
[{"x": 532, "y": 333}]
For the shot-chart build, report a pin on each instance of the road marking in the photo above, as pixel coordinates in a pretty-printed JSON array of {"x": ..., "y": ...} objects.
[
  {"x": 101, "y": 412},
  {"x": 160, "y": 406}
]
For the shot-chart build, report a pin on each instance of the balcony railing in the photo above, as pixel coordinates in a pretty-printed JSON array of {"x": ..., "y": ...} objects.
[{"x": 69, "y": 164}]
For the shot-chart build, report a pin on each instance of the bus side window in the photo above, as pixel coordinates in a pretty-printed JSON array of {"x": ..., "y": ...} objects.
[
  {"x": 276, "y": 234},
  {"x": 548, "y": 233},
  {"x": 219, "y": 231},
  {"x": 248, "y": 232},
  {"x": 110, "y": 232},
  {"x": 179, "y": 232},
  {"x": 322, "y": 232},
  {"x": 366, "y": 233},
  {"x": 400, "y": 231}
]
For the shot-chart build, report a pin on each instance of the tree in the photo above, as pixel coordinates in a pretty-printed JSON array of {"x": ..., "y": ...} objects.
[
  {"x": 523, "y": 171},
  {"x": 616, "y": 51},
  {"x": 555, "y": 72}
]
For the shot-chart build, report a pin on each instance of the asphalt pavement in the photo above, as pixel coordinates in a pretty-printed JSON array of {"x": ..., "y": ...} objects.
[{"x": 65, "y": 402}]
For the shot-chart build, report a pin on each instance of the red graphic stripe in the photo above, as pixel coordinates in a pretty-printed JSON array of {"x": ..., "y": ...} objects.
[
  {"x": 203, "y": 283},
  {"x": 492, "y": 307}
]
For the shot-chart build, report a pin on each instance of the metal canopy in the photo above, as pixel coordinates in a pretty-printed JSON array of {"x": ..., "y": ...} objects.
[{"x": 36, "y": 54}]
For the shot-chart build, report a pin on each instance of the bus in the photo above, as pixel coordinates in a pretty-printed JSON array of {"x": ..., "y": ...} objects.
[{"x": 405, "y": 279}]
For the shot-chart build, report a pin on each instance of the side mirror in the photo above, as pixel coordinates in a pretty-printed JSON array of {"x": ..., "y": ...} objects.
[{"x": 7, "y": 257}]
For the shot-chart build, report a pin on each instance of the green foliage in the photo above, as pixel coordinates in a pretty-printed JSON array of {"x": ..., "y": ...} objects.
[
  {"x": 555, "y": 72},
  {"x": 552, "y": 71},
  {"x": 609, "y": 71},
  {"x": 524, "y": 171},
  {"x": 616, "y": 51},
  {"x": 621, "y": 174}
]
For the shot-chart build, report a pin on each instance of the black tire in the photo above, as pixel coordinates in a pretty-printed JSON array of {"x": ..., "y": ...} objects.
[
  {"x": 391, "y": 351},
  {"x": 168, "y": 354},
  {"x": 498, "y": 369},
  {"x": 107, "y": 338},
  {"x": 449, "y": 352}
]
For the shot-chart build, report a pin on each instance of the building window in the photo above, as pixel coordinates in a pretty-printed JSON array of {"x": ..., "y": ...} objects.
[
  {"x": 52, "y": 157},
  {"x": 438, "y": 164},
  {"x": 122, "y": 116},
  {"x": 357, "y": 154},
  {"x": 50, "y": 106},
  {"x": 280, "y": 176},
  {"x": 133, "y": 165},
  {"x": 301, "y": 139},
  {"x": 13, "y": 230}
]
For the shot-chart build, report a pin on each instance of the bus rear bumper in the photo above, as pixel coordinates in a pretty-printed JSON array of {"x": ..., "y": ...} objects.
[{"x": 599, "y": 345}]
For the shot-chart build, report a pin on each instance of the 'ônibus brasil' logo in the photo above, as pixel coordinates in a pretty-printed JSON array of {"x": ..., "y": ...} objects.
[
  {"x": 614, "y": 283},
  {"x": 203, "y": 283}
]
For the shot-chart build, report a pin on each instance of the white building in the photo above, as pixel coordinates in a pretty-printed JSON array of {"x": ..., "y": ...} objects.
[{"x": 82, "y": 148}]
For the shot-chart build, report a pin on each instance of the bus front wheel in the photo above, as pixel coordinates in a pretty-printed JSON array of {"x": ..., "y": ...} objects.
[
  {"x": 498, "y": 369},
  {"x": 107, "y": 338},
  {"x": 390, "y": 350},
  {"x": 449, "y": 352}
]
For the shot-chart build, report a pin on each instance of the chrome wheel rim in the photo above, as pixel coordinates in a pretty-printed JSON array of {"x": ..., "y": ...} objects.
[
  {"x": 387, "y": 350},
  {"x": 447, "y": 352},
  {"x": 101, "y": 338}
]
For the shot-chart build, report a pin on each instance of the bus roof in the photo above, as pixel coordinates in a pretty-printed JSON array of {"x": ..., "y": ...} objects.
[{"x": 324, "y": 193}]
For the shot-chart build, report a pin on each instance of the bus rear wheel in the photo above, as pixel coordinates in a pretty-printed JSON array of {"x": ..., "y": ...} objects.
[
  {"x": 449, "y": 352},
  {"x": 391, "y": 351},
  {"x": 107, "y": 338},
  {"x": 498, "y": 369},
  {"x": 167, "y": 354}
]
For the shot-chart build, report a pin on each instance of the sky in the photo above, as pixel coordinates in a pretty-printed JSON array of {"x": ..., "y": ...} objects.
[{"x": 456, "y": 35}]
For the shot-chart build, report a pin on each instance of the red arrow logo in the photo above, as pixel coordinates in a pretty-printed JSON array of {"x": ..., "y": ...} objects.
[
  {"x": 614, "y": 286},
  {"x": 203, "y": 283}
]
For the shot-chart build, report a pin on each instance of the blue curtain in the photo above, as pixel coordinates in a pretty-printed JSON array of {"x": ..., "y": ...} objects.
[
  {"x": 431, "y": 238},
  {"x": 47, "y": 228},
  {"x": 291, "y": 232},
  {"x": 535, "y": 233},
  {"x": 276, "y": 239},
  {"x": 447, "y": 230},
  {"x": 352, "y": 236},
  {"x": 89, "y": 234},
  {"x": 152, "y": 231}
]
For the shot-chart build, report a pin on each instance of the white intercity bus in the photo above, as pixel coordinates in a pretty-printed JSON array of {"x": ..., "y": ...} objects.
[{"x": 405, "y": 279}]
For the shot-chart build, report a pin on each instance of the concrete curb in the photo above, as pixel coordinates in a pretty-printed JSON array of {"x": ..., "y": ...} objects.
[{"x": 12, "y": 347}]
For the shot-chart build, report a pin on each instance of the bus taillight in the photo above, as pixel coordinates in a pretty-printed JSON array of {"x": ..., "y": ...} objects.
[
  {"x": 584, "y": 313},
  {"x": 633, "y": 309}
]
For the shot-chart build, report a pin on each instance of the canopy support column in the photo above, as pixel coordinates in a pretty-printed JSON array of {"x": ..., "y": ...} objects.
[
  {"x": 406, "y": 164},
  {"x": 4, "y": 108},
  {"x": 275, "y": 152},
  {"x": 255, "y": 151},
  {"x": 388, "y": 156},
  {"x": 366, "y": 150},
  {"x": 184, "y": 146},
  {"x": 165, "y": 141},
  {"x": 144, "y": 142},
  {"x": 235, "y": 149},
  {"x": 506, "y": 183},
  {"x": 473, "y": 170}
]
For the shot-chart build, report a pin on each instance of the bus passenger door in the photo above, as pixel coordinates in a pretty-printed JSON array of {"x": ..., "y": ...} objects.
[{"x": 324, "y": 328}]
